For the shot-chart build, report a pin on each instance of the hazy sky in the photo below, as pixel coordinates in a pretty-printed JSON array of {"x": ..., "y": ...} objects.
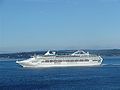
[{"x": 59, "y": 24}]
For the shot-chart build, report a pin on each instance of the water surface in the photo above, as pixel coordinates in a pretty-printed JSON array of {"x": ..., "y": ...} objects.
[{"x": 105, "y": 77}]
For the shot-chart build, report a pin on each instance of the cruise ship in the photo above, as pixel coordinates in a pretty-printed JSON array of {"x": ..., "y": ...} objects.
[{"x": 50, "y": 59}]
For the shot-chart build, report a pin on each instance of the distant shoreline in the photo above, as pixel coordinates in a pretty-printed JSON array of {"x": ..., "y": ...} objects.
[{"x": 104, "y": 52}]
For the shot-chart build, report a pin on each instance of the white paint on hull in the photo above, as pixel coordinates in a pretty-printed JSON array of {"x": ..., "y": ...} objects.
[
  {"x": 75, "y": 59},
  {"x": 38, "y": 65}
]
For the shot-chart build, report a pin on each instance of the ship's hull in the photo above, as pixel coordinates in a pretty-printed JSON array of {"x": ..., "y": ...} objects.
[{"x": 38, "y": 65}]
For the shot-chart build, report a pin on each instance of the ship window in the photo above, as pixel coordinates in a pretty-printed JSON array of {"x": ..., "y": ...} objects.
[
  {"x": 76, "y": 60},
  {"x": 86, "y": 60},
  {"x": 47, "y": 61},
  {"x": 80, "y": 60},
  {"x": 51, "y": 60},
  {"x": 94, "y": 60},
  {"x": 59, "y": 60},
  {"x": 67, "y": 60},
  {"x": 99, "y": 60}
]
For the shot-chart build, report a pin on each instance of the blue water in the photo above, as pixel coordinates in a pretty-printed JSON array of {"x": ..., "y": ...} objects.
[{"x": 105, "y": 77}]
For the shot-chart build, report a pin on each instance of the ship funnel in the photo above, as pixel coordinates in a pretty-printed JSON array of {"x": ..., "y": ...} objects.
[{"x": 48, "y": 53}]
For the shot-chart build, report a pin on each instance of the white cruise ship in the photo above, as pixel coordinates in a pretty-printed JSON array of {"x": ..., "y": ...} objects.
[{"x": 78, "y": 58}]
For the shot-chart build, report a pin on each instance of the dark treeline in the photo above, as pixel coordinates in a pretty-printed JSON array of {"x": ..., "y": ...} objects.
[{"x": 108, "y": 52}]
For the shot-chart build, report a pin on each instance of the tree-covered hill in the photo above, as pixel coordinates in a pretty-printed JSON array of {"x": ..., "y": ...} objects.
[{"x": 105, "y": 52}]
